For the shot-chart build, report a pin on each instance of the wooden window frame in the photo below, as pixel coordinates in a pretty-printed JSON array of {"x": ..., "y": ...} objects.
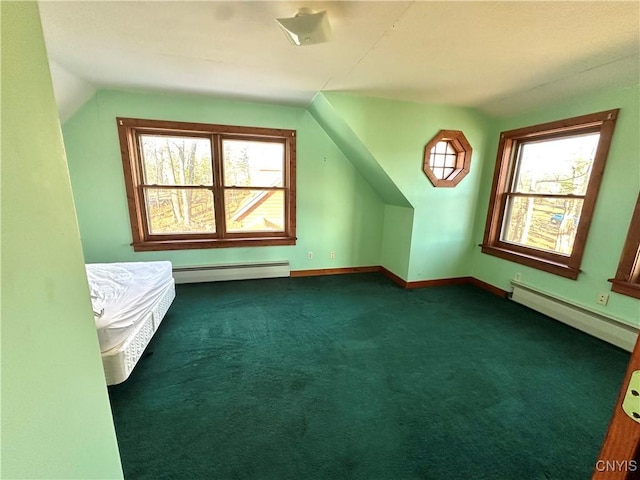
[
  {"x": 627, "y": 279},
  {"x": 564, "y": 265},
  {"x": 129, "y": 130},
  {"x": 463, "y": 150}
]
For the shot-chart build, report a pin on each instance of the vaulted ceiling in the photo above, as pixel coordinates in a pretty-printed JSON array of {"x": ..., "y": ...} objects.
[{"x": 500, "y": 57}]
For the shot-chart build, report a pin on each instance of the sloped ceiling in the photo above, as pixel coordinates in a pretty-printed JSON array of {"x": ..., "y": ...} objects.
[
  {"x": 346, "y": 139},
  {"x": 500, "y": 57}
]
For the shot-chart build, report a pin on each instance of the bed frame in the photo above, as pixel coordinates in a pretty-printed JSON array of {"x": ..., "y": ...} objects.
[{"x": 118, "y": 363}]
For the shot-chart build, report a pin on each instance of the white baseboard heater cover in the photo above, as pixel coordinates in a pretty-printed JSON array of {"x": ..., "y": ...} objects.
[
  {"x": 221, "y": 273},
  {"x": 616, "y": 332}
]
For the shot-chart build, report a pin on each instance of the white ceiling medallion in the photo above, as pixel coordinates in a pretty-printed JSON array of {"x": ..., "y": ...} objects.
[{"x": 306, "y": 28}]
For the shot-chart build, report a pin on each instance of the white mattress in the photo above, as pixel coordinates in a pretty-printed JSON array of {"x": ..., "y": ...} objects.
[{"x": 123, "y": 294}]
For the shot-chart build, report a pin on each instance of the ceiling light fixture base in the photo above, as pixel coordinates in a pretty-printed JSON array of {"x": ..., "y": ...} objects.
[{"x": 306, "y": 27}]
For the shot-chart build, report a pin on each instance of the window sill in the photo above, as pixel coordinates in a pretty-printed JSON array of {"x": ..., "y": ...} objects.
[
  {"x": 532, "y": 261},
  {"x": 625, "y": 288},
  {"x": 156, "y": 245}
]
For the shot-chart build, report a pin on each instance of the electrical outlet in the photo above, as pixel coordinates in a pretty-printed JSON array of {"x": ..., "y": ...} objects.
[
  {"x": 310, "y": 256},
  {"x": 517, "y": 277},
  {"x": 332, "y": 254},
  {"x": 603, "y": 298}
]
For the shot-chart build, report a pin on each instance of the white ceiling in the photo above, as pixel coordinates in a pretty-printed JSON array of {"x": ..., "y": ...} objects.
[{"x": 501, "y": 57}]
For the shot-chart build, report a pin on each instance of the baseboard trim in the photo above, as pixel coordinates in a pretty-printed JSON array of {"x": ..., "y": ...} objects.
[
  {"x": 333, "y": 271},
  {"x": 393, "y": 277},
  {"x": 488, "y": 287},
  {"x": 438, "y": 282}
]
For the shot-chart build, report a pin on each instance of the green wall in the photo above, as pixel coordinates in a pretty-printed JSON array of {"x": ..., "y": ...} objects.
[
  {"x": 361, "y": 190},
  {"x": 56, "y": 420},
  {"x": 396, "y": 239},
  {"x": 618, "y": 194},
  {"x": 395, "y": 134},
  {"x": 337, "y": 209}
]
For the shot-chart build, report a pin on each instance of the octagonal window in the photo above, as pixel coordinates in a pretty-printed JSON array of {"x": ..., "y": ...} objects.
[{"x": 446, "y": 158}]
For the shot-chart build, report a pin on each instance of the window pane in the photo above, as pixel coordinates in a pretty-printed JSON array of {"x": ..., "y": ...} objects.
[
  {"x": 253, "y": 164},
  {"x": 543, "y": 223},
  {"x": 180, "y": 210},
  {"x": 438, "y": 160},
  {"x": 450, "y": 161},
  {"x": 561, "y": 166},
  {"x": 441, "y": 147},
  {"x": 176, "y": 160},
  {"x": 254, "y": 210},
  {"x": 448, "y": 172}
]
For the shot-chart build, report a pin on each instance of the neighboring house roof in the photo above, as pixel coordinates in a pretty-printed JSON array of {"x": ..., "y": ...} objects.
[{"x": 251, "y": 204}]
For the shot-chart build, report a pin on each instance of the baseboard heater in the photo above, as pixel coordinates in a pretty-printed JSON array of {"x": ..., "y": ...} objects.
[
  {"x": 615, "y": 331},
  {"x": 238, "y": 271}
]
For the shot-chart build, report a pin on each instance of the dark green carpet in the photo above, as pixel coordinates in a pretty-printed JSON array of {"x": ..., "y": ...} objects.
[{"x": 351, "y": 377}]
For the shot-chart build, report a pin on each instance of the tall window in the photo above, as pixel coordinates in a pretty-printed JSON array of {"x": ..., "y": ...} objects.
[
  {"x": 544, "y": 192},
  {"x": 195, "y": 185},
  {"x": 627, "y": 279}
]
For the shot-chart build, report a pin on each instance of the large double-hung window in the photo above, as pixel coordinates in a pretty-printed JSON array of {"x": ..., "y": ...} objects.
[
  {"x": 204, "y": 186},
  {"x": 544, "y": 192}
]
